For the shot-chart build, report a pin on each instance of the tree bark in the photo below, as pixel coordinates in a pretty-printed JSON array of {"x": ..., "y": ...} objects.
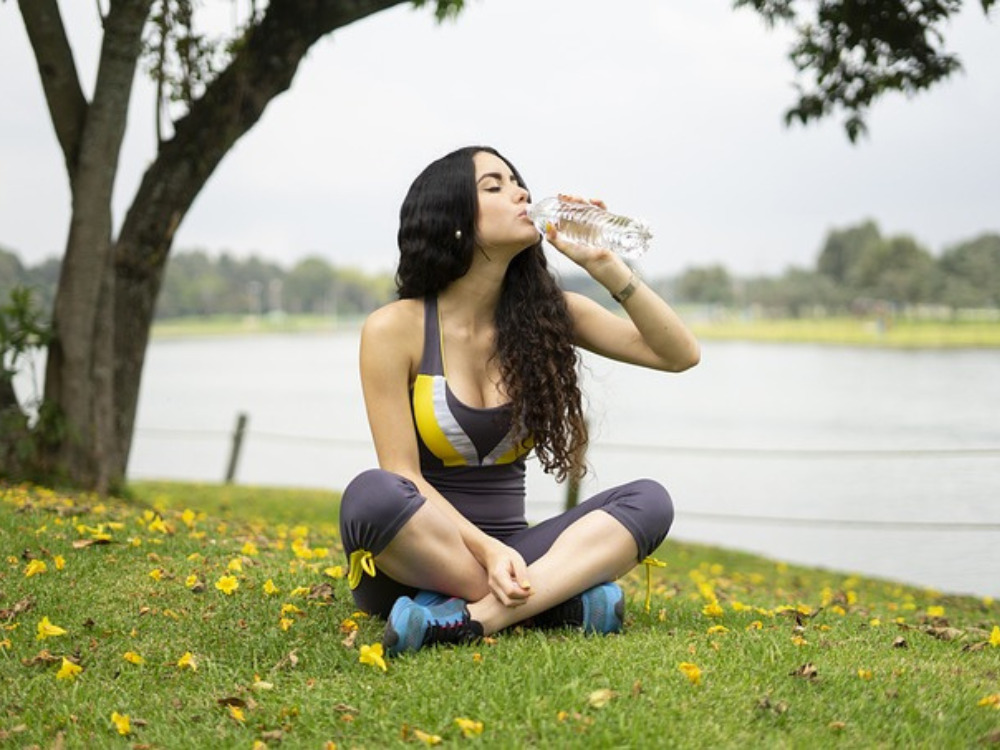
[{"x": 79, "y": 372}]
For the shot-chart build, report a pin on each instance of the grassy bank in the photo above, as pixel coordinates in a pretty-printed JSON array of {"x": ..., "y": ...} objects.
[
  {"x": 219, "y": 617},
  {"x": 844, "y": 331},
  {"x": 910, "y": 334}
]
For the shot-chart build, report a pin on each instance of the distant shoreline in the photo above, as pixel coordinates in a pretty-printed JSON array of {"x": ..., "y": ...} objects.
[{"x": 845, "y": 331}]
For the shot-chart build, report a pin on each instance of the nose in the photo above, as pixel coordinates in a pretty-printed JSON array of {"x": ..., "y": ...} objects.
[{"x": 521, "y": 195}]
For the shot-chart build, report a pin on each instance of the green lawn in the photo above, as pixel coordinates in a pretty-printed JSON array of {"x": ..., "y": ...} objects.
[
  {"x": 909, "y": 334},
  {"x": 735, "y": 650}
]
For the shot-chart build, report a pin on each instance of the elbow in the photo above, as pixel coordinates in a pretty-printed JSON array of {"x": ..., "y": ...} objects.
[{"x": 690, "y": 358}]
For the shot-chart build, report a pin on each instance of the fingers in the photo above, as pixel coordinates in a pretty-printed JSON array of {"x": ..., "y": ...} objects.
[
  {"x": 579, "y": 199},
  {"x": 509, "y": 582}
]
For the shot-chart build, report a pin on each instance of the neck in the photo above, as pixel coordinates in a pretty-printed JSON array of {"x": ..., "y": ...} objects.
[{"x": 477, "y": 293}]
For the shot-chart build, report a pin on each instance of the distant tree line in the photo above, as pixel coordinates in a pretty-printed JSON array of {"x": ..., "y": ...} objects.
[
  {"x": 857, "y": 270},
  {"x": 199, "y": 284}
]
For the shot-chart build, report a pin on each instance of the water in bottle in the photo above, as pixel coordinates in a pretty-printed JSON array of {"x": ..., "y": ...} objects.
[{"x": 589, "y": 225}]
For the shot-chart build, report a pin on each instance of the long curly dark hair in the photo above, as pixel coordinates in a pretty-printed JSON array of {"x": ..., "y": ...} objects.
[{"x": 534, "y": 333}]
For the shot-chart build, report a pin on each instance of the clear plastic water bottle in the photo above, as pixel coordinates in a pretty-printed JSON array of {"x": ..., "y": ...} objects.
[{"x": 589, "y": 225}]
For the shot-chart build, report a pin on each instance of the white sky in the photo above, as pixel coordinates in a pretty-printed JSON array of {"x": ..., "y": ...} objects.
[{"x": 668, "y": 111}]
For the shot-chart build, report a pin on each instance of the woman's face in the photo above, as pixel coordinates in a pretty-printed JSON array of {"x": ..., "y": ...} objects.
[{"x": 503, "y": 221}]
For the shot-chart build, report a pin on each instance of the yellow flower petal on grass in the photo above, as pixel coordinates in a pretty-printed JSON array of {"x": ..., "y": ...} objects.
[
  {"x": 270, "y": 589},
  {"x": 469, "y": 727},
  {"x": 717, "y": 629},
  {"x": 373, "y": 655},
  {"x": 157, "y": 525},
  {"x": 156, "y": 574},
  {"x": 68, "y": 670},
  {"x": 235, "y": 565},
  {"x": 334, "y": 571},
  {"x": 426, "y": 738},
  {"x": 995, "y": 636},
  {"x": 188, "y": 661},
  {"x": 47, "y": 630},
  {"x": 285, "y": 623},
  {"x": 227, "y": 585},
  {"x": 237, "y": 713},
  {"x": 122, "y": 723},
  {"x": 712, "y": 609},
  {"x": 691, "y": 671},
  {"x": 60, "y": 562},
  {"x": 865, "y": 674},
  {"x": 250, "y": 549},
  {"x": 935, "y": 611},
  {"x": 991, "y": 700},
  {"x": 35, "y": 567},
  {"x": 133, "y": 658}
]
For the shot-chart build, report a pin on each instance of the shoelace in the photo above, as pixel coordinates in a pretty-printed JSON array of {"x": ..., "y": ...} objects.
[{"x": 449, "y": 632}]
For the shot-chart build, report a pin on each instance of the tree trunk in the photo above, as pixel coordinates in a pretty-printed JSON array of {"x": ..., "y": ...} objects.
[
  {"x": 108, "y": 288},
  {"x": 79, "y": 372}
]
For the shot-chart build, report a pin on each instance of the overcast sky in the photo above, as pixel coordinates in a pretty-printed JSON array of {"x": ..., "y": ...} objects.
[{"x": 671, "y": 111}]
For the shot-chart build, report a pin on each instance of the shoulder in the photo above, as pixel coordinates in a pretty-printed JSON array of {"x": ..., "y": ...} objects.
[
  {"x": 393, "y": 335},
  {"x": 399, "y": 319}
]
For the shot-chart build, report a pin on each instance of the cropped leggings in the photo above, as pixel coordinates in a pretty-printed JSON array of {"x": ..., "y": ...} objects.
[{"x": 377, "y": 503}]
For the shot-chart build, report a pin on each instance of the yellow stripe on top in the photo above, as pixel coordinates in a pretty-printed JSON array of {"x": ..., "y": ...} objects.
[{"x": 427, "y": 423}]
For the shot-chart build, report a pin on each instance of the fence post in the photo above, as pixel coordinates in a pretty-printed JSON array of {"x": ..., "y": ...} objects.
[
  {"x": 234, "y": 454},
  {"x": 573, "y": 486}
]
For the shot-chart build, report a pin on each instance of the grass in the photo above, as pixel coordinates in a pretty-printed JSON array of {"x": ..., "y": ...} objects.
[
  {"x": 783, "y": 656},
  {"x": 853, "y": 331},
  {"x": 900, "y": 333}
]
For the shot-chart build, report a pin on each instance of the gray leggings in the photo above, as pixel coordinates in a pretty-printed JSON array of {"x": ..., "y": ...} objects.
[{"x": 377, "y": 503}]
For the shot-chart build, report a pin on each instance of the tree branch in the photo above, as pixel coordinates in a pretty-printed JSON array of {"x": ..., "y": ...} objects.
[{"x": 57, "y": 69}]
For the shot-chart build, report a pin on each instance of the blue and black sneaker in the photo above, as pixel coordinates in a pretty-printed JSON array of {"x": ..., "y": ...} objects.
[
  {"x": 412, "y": 625},
  {"x": 600, "y": 609},
  {"x": 427, "y": 598}
]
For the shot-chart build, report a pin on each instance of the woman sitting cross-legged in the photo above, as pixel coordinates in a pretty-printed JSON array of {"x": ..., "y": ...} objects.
[{"x": 473, "y": 367}]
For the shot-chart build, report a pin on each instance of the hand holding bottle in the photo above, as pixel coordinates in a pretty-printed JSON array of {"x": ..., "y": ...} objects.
[{"x": 590, "y": 224}]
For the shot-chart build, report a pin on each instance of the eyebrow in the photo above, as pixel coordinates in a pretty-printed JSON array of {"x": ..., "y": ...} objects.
[{"x": 496, "y": 176}]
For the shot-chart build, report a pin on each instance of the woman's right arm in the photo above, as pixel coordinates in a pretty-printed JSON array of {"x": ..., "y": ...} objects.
[{"x": 391, "y": 344}]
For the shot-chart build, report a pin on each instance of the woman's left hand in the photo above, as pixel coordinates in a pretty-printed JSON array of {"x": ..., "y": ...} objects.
[{"x": 590, "y": 258}]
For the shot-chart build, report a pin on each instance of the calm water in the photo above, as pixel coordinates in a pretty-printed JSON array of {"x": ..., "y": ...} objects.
[{"x": 880, "y": 462}]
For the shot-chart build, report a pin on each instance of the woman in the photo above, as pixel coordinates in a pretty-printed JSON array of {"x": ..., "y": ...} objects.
[{"x": 473, "y": 366}]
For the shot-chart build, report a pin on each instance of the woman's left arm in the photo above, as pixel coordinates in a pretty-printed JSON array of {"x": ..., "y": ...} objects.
[{"x": 653, "y": 335}]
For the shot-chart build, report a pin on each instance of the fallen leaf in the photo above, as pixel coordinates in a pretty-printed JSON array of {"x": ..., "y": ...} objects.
[
  {"x": 600, "y": 698},
  {"x": 6, "y": 615},
  {"x": 807, "y": 670},
  {"x": 322, "y": 592},
  {"x": 348, "y": 641},
  {"x": 900, "y": 642},
  {"x": 944, "y": 633},
  {"x": 84, "y": 543},
  {"x": 765, "y": 704},
  {"x": 42, "y": 657}
]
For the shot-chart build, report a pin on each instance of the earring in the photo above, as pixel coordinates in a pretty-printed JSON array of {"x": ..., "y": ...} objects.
[{"x": 458, "y": 234}]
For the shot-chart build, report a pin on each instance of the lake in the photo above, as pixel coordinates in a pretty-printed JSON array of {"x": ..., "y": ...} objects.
[{"x": 880, "y": 462}]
